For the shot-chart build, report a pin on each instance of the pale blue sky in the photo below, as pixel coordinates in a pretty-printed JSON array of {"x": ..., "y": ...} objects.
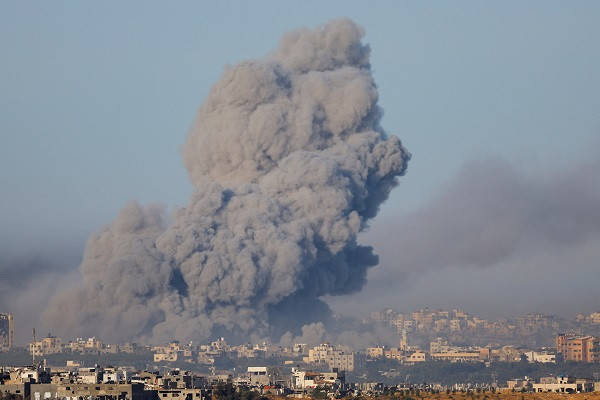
[{"x": 96, "y": 97}]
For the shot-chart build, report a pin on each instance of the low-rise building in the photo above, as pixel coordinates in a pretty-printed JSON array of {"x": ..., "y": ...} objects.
[
  {"x": 563, "y": 384},
  {"x": 302, "y": 380},
  {"x": 457, "y": 356},
  {"x": 540, "y": 357},
  {"x": 264, "y": 376},
  {"x": 416, "y": 355}
]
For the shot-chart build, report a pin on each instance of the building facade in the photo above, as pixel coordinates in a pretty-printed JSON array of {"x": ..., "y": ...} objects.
[
  {"x": 578, "y": 348},
  {"x": 327, "y": 354},
  {"x": 7, "y": 331}
]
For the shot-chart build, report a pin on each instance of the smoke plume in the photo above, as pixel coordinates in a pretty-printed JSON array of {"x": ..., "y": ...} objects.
[
  {"x": 539, "y": 232},
  {"x": 289, "y": 163}
]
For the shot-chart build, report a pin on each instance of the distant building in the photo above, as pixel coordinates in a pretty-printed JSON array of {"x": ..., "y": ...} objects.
[
  {"x": 264, "y": 376},
  {"x": 563, "y": 384},
  {"x": 327, "y": 354},
  {"x": 520, "y": 384},
  {"x": 578, "y": 348},
  {"x": 302, "y": 380},
  {"x": 48, "y": 345},
  {"x": 594, "y": 318},
  {"x": 376, "y": 352},
  {"x": 540, "y": 357},
  {"x": 416, "y": 355},
  {"x": 7, "y": 333},
  {"x": 169, "y": 353}
]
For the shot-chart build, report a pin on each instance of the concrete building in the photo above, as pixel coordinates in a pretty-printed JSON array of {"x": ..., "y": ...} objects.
[
  {"x": 7, "y": 331},
  {"x": 89, "y": 346},
  {"x": 48, "y": 345},
  {"x": 376, "y": 352},
  {"x": 327, "y": 354},
  {"x": 416, "y": 355},
  {"x": 507, "y": 354},
  {"x": 520, "y": 384},
  {"x": 394, "y": 353},
  {"x": 97, "y": 391},
  {"x": 594, "y": 318},
  {"x": 563, "y": 384},
  {"x": 169, "y": 353},
  {"x": 264, "y": 376},
  {"x": 438, "y": 346},
  {"x": 540, "y": 357},
  {"x": 302, "y": 380},
  {"x": 578, "y": 348},
  {"x": 462, "y": 356}
]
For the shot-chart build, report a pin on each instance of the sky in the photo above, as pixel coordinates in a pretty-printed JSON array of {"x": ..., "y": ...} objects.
[{"x": 497, "y": 102}]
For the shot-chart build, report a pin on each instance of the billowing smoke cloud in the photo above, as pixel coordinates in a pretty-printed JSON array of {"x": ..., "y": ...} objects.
[
  {"x": 289, "y": 163},
  {"x": 493, "y": 213},
  {"x": 493, "y": 216}
]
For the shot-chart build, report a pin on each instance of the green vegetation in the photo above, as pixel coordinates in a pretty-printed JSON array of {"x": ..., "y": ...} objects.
[
  {"x": 319, "y": 393},
  {"x": 448, "y": 373},
  {"x": 227, "y": 391}
]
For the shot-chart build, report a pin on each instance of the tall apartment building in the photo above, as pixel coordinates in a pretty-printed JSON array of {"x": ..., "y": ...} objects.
[
  {"x": 578, "y": 348},
  {"x": 7, "y": 331},
  {"x": 327, "y": 354}
]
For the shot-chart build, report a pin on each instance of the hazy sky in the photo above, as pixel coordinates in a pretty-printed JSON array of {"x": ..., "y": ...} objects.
[{"x": 96, "y": 99}]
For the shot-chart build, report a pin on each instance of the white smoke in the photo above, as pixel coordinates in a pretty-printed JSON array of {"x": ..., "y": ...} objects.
[{"x": 289, "y": 163}]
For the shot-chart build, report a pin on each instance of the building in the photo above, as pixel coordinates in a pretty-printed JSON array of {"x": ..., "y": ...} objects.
[
  {"x": 394, "y": 353},
  {"x": 540, "y": 357},
  {"x": 89, "y": 346},
  {"x": 48, "y": 345},
  {"x": 169, "y": 353},
  {"x": 563, "y": 384},
  {"x": 520, "y": 384},
  {"x": 416, "y": 355},
  {"x": 375, "y": 352},
  {"x": 98, "y": 391},
  {"x": 7, "y": 331},
  {"x": 302, "y": 380},
  {"x": 457, "y": 356},
  {"x": 264, "y": 376},
  {"x": 578, "y": 348},
  {"x": 439, "y": 346},
  {"x": 327, "y": 354},
  {"x": 594, "y": 318}
]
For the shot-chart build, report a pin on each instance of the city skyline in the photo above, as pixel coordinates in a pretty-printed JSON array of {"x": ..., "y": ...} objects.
[
  {"x": 497, "y": 103},
  {"x": 532, "y": 330}
]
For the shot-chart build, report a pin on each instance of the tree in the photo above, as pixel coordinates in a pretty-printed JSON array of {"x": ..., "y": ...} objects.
[
  {"x": 319, "y": 392},
  {"x": 226, "y": 391}
]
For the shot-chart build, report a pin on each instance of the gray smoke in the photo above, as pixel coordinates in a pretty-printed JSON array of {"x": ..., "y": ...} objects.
[
  {"x": 494, "y": 215},
  {"x": 289, "y": 163}
]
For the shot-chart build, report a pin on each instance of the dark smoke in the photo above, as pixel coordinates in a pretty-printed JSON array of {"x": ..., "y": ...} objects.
[{"x": 289, "y": 163}]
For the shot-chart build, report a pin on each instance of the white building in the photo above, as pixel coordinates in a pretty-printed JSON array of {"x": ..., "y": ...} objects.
[
  {"x": 540, "y": 357},
  {"x": 563, "y": 384}
]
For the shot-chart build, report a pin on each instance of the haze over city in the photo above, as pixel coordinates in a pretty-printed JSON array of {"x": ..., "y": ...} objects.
[{"x": 497, "y": 212}]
